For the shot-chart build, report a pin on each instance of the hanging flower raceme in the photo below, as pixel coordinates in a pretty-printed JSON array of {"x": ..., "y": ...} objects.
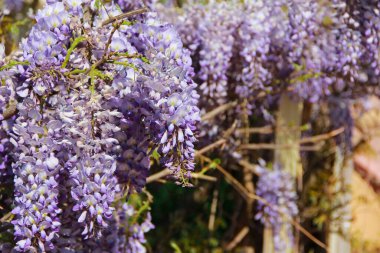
[
  {"x": 126, "y": 232},
  {"x": 310, "y": 49},
  {"x": 277, "y": 190},
  {"x": 168, "y": 106},
  {"x": 95, "y": 95},
  {"x": 365, "y": 15},
  {"x": 247, "y": 53},
  {"x": 12, "y": 6}
]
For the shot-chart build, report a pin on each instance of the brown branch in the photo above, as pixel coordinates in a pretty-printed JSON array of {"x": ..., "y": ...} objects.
[
  {"x": 234, "y": 182},
  {"x": 266, "y": 129},
  {"x": 308, "y": 234},
  {"x": 230, "y": 130},
  {"x": 225, "y": 135},
  {"x": 245, "y": 194},
  {"x": 10, "y": 110},
  {"x": 220, "y": 109},
  {"x": 210, "y": 147},
  {"x": 246, "y": 164},
  {"x": 322, "y": 137},
  {"x": 158, "y": 175},
  {"x": 203, "y": 177},
  {"x": 271, "y": 146},
  {"x": 238, "y": 238},
  {"x": 312, "y": 139},
  {"x": 166, "y": 172},
  {"x": 105, "y": 55},
  {"x": 256, "y": 130},
  {"x": 219, "y": 142},
  {"x": 125, "y": 15},
  {"x": 7, "y": 217},
  {"x": 214, "y": 205}
]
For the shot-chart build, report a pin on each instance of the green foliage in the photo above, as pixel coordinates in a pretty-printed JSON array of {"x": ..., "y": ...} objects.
[
  {"x": 175, "y": 247},
  {"x": 156, "y": 156},
  {"x": 74, "y": 44},
  {"x": 214, "y": 163},
  {"x": 98, "y": 4},
  {"x": 181, "y": 217},
  {"x": 12, "y": 64}
]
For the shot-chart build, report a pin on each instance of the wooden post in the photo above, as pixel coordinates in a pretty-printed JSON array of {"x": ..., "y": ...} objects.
[
  {"x": 338, "y": 238},
  {"x": 288, "y": 133},
  {"x": 268, "y": 245}
]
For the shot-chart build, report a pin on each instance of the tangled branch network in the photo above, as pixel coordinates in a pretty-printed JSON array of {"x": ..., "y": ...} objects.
[{"x": 84, "y": 104}]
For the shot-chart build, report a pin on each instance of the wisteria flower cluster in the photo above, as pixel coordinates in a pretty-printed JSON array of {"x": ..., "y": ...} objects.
[
  {"x": 135, "y": 231},
  {"x": 277, "y": 188},
  {"x": 308, "y": 49},
  {"x": 12, "y": 6},
  {"x": 126, "y": 233},
  {"x": 95, "y": 92}
]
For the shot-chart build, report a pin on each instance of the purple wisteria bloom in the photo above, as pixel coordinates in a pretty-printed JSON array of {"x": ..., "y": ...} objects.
[
  {"x": 93, "y": 102},
  {"x": 278, "y": 190}
]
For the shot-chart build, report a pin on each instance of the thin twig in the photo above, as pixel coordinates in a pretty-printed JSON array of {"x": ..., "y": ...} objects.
[
  {"x": 256, "y": 130},
  {"x": 271, "y": 146},
  {"x": 312, "y": 139},
  {"x": 220, "y": 109},
  {"x": 308, "y": 234},
  {"x": 7, "y": 217},
  {"x": 214, "y": 205},
  {"x": 250, "y": 166},
  {"x": 10, "y": 110},
  {"x": 125, "y": 15},
  {"x": 105, "y": 52},
  {"x": 316, "y": 138},
  {"x": 268, "y": 129},
  {"x": 203, "y": 177},
  {"x": 219, "y": 142},
  {"x": 238, "y": 238},
  {"x": 322, "y": 137},
  {"x": 230, "y": 130},
  {"x": 158, "y": 175},
  {"x": 210, "y": 147}
]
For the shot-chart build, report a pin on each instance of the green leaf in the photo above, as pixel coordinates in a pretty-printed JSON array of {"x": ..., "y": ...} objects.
[
  {"x": 126, "y": 64},
  {"x": 213, "y": 242},
  {"x": 13, "y": 63},
  {"x": 285, "y": 9},
  {"x": 176, "y": 248},
  {"x": 98, "y": 3},
  {"x": 128, "y": 23},
  {"x": 93, "y": 74},
  {"x": 327, "y": 21},
  {"x": 77, "y": 71},
  {"x": 214, "y": 163},
  {"x": 305, "y": 127},
  {"x": 71, "y": 49},
  {"x": 98, "y": 73},
  {"x": 297, "y": 67},
  {"x": 15, "y": 30},
  {"x": 155, "y": 155},
  {"x": 144, "y": 59}
]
